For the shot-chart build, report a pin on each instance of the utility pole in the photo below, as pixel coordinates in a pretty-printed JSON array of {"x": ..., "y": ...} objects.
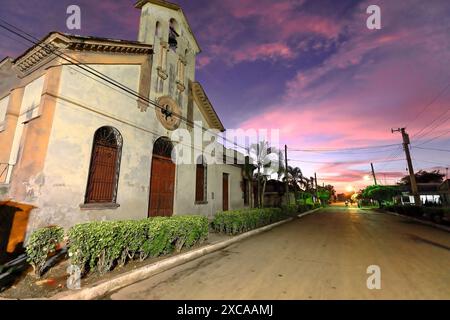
[
  {"x": 286, "y": 173},
  {"x": 258, "y": 160},
  {"x": 406, "y": 143},
  {"x": 373, "y": 175},
  {"x": 317, "y": 189}
]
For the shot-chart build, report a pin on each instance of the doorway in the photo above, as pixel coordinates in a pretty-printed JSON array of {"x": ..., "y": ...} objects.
[
  {"x": 225, "y": 186},
  {"x": 162, "y": 181}
]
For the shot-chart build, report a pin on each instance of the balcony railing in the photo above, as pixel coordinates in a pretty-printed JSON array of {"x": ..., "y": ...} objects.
[{"x": 5, "y": 172}]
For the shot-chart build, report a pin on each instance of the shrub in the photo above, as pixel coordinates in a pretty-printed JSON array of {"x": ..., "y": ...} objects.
[
  {"x": 307, "y": 207},
  {"x": 413, "y": 211},
  {"x": 291, "y": 210},
  {"x": 240, "y": 221},
  {"x": 42, "y": 243},
  {"x": 101, "y": 245}
]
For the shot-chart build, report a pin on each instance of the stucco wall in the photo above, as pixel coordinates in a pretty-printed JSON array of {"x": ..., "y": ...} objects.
[
  {"x": 85, "y": 107},
  {"x": 185, "y": 199},
  {"x": 3, "y": 107},
  {"x": 8, "y": 76},
  {"x": 80, "y": 103},
  {"x": 187, "y": 50}
]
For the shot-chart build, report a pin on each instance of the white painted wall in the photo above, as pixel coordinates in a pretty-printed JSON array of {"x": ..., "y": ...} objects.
[
  {"x": 29, "y": 110},
  {"x": 186, "y": 181},
  {"x": 3, "y": 107},
  {"x": 87, "y": 106}
]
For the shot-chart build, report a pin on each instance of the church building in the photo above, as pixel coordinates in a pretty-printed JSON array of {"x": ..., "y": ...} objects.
[{"x": 86, "y": 126}]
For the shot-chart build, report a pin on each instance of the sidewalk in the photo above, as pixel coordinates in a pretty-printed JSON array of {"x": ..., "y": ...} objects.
[{"x": 103, "y": 288}]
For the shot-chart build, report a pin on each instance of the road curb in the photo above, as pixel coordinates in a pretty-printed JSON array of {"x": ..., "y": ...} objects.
[
  {"x": 427, "y": 223},
  {"x": 103, "y": 288}
]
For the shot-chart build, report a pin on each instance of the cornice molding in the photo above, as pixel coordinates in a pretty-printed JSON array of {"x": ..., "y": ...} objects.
[
  {"x": 206, "y": 107},
  {"x": 43, "y": 52}
]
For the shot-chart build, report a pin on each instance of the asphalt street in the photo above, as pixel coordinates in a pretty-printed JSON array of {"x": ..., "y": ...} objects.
[{"x": 325, "y": 255}]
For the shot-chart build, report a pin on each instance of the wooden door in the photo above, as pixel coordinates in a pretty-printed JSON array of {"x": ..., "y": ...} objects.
[
  {"x": 102, "y": 178},
  {"x": 162, "y": 187},
  {"x": 225, "y": 184}
]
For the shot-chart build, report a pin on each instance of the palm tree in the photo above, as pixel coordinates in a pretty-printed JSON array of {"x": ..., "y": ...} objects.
[
  {"x": 266, "y": 163},
  {"x": 295, "y": 176}
]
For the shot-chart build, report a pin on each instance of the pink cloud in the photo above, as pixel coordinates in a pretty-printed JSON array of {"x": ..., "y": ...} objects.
[
  {"x": 203, "y": 61},
  {"x": 263, "y": 52},
  {"x": 267, "y": 51},
  {"x": 270, "y": 31}
]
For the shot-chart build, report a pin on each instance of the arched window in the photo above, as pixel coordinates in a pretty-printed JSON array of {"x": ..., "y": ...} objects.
[
  {"x": 105, "y": 166},
  {"x": 163, "y": 148},
  {"x": 158, "y": 30},
  {"x": 173, "y": 34},
  {"x": 201, "y": 181}
]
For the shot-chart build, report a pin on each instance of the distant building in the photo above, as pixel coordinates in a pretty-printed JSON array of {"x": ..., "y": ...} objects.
[
  {"x": 429, "y": 194},
  {"x": 444, "y": 191}
]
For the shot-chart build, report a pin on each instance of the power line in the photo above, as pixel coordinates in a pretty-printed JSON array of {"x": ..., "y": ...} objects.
[
  {"x": 102, "y": 76},
  {"x": 345, "y": 152},
  {"x": 423, "y": 135},
  {"x": 393, "y": 155},
  {"x": 343, "y": 149},
  {"x": 343, "y": 162},
  {"x": 433, "y": 162},
  {"x": 436, "y": 98},
  {"x": 433, "y": 149},
  {"x": 434, "y": 138}
]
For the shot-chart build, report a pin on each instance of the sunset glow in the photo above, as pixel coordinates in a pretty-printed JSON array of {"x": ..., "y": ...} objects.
[{"x": 315, "y": 72}]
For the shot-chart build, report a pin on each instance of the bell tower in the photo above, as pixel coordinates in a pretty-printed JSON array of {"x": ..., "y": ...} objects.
[{"x": 164, "y": 26}]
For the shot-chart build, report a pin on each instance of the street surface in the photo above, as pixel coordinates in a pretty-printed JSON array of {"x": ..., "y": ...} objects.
[{"x": 321, "y": 256}]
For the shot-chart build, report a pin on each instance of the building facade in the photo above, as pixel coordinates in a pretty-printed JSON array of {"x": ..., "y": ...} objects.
[{"x": 87, "y": 127}]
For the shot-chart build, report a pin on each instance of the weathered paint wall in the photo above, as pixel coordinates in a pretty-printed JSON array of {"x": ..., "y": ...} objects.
[
  {"x": 3, "y": 107},
  {"x": 31, "y": 137},
  {"x": 6, "y": 139},
  {"x": 74, "y": 105},
  {"x": 186, "y": 179},
  {"x": 82, "y": 108},
  {"x": 8, "y": 76},
  {"x": 165, "y": 70}
]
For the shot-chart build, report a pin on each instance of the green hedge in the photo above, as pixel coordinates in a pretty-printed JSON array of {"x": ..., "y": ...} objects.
[
  {"x": 291, "y": 210},
  {"x": 101, "y": 245},
  {"x": 412, "y": 211},
  {"x": 240, "y": 221},
  {"x": 42, "y": 243}
]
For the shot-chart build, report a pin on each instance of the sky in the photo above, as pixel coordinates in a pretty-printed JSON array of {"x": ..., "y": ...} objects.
[{"x": 310, "y": 68}]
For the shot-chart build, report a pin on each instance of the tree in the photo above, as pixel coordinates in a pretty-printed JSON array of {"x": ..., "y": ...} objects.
[
  {"x": 266, "y": 162},
  {"x": 324, "y": 195},
  {"x": 295, "y": 177},
  {"x": 379, "y": 193},
  {"x": 331, "y": 190},
  {"x": 424, "y": 177}
]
